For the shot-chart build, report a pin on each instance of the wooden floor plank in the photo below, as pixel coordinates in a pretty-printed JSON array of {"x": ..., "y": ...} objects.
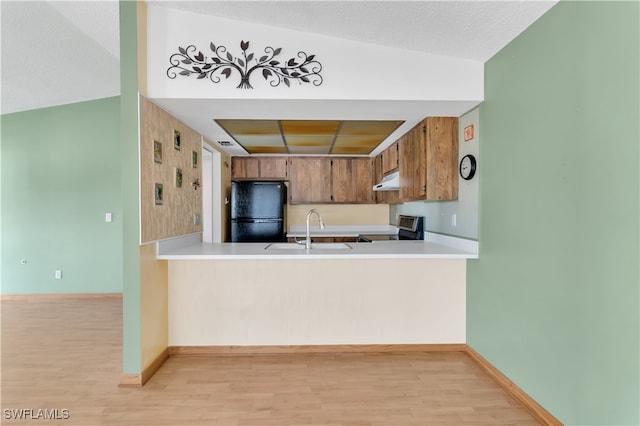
[{"x": 66, "y": 354}]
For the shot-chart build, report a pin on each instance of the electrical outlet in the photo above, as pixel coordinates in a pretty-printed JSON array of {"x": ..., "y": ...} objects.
[
  {"x": 454, "y": 220},
  {"x": 58, "y": 274},
  {"x": 196, "y": 219},
  {"x": 108, "y": 217}
]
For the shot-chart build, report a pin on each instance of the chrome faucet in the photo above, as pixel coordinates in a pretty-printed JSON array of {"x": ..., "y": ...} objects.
[{"x": 307, "y": 243}]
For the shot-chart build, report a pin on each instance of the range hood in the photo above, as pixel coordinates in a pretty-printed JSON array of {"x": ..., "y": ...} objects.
[{"x": 390, "y": 182}]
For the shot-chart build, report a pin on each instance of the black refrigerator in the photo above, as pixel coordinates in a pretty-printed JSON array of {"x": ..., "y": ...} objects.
[{"x": 258, "y": 211}]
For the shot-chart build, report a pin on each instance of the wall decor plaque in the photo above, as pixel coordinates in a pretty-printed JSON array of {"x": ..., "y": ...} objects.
[
  {"x": 157, "y": 152},
  {"x": 176, "y": 139},
  {"x": 158, "y": 193},
  {"x": 190, "y": 61}
]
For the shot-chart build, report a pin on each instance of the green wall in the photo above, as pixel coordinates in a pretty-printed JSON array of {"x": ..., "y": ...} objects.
[
  {"x": 553, "y": 301},
  {"x": 129, "y": 158},
  {"x": 60, "y": 175}
]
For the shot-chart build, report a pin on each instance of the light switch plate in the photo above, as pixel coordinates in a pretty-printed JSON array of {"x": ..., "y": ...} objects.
[
  {"x": 196, "y": 219},
  {"x": 107, "y": 217}
]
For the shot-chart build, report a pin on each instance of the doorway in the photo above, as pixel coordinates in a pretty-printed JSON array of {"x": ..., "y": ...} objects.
[{"x": 211, "y": 195}]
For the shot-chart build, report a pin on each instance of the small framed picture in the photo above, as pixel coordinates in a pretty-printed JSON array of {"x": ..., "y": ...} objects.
[
  {"x": 194, "y": 159},
  {"x": 157, "y": 152},
  {"x": 176, "y": 139},
  {"x": 468, "y": 133},
  {"x": 158, "y": 194},
  {"x": 178, "y": 178}
]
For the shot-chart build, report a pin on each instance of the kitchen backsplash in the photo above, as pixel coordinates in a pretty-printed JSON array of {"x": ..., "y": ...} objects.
[{"x": 340, "y": 214}]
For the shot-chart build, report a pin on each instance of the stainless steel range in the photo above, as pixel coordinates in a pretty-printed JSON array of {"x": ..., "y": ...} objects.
[{"x": 409, "y": 228}]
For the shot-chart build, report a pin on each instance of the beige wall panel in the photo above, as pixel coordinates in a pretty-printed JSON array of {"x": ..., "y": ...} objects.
[
  {"x": 176, "y": 214},
  {"x": 154, "y": 322},
  {"x": 341, "y": 214},
  {"x": 316, "y": 302}
]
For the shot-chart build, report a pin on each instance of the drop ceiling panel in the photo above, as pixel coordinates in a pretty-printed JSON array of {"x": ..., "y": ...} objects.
[
  {"x": 359, "y": 127},
  {"x": 250, "y": 127},
  {"x": 309, "y": 140},
  {"x": 310, "y": 127},
  {"x": 309, "y": 136},
  {"x": 259, "y": 140},
  {"x": 359, "y": 140}
]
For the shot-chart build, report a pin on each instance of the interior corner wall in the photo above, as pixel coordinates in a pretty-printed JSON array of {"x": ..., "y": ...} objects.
[
  {"x": 438, "y": 214},
  {"x": 553, "y": 300},
  {"x": 60, "y": 175},
  {"x": 130, "y": 183}
]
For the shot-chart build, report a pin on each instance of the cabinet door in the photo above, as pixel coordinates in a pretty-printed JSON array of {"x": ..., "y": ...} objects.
[
  {"x": 390, "y": 158},
  {"x": 362, "y": 178},
  {"x": 412, "y": 165},
  {"x": 309, "y": 180},
  {"x": 441, "y": 158},
  {"x": 351, "y": 179},
  {"x": 344, "y": 190},
  {"x": 273, "y": 168},
  {"x": 245, "y": 168},
  {"x": 428, "y": 160}
]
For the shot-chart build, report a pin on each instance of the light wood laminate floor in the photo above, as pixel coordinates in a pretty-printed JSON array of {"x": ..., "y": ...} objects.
[{"x": 65, "y": 354}]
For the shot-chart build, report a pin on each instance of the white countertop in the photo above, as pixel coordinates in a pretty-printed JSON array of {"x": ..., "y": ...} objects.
[{"x": 434, "y": 247}]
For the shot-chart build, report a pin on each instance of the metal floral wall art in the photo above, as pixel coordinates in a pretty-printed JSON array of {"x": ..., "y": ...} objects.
[{"x": 191, "y": 61}]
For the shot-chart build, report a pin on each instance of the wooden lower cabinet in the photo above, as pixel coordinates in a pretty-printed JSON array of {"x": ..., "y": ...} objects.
[{"x": 325, "y": 239}]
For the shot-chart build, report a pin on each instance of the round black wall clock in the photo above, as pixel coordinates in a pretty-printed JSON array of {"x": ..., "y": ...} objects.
[{"x": 468, "y": 167}]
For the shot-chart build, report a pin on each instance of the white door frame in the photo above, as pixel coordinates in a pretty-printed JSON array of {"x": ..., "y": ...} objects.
[{"x": 211, "y": 195}]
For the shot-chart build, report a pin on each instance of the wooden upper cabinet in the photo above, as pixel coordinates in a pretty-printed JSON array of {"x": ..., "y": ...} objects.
[
  {"x": 363, "y": 180},
  {"x": 389, "y": 158},
  {"x": 352, "y": 180},
  {"x": 428, "y": 160},
  {"x": 245, "y": 168},
  {"x": 259, "y": 168},
  {"x": 442, "y": 158},
  {"x": 309, "y": 180},
  {"x": 413, "y": 165},
  {"x": 273, "y": 168}
]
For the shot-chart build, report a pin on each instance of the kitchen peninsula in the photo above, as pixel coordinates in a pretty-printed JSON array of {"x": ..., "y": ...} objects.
[{"x": 384, "y": 292}]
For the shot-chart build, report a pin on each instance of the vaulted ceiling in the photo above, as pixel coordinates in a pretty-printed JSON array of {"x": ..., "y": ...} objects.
[{"x": 58, "y": 52}]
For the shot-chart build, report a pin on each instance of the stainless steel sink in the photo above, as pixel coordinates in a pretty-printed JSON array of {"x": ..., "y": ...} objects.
[{"x": 314, "y": 246}]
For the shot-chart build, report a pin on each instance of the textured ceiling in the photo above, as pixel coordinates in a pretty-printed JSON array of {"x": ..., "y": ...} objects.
[
  {"x": 59, "y": 52},
  {"x": 55, "y": 53},
  {"x": 465, "y": 29}
]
